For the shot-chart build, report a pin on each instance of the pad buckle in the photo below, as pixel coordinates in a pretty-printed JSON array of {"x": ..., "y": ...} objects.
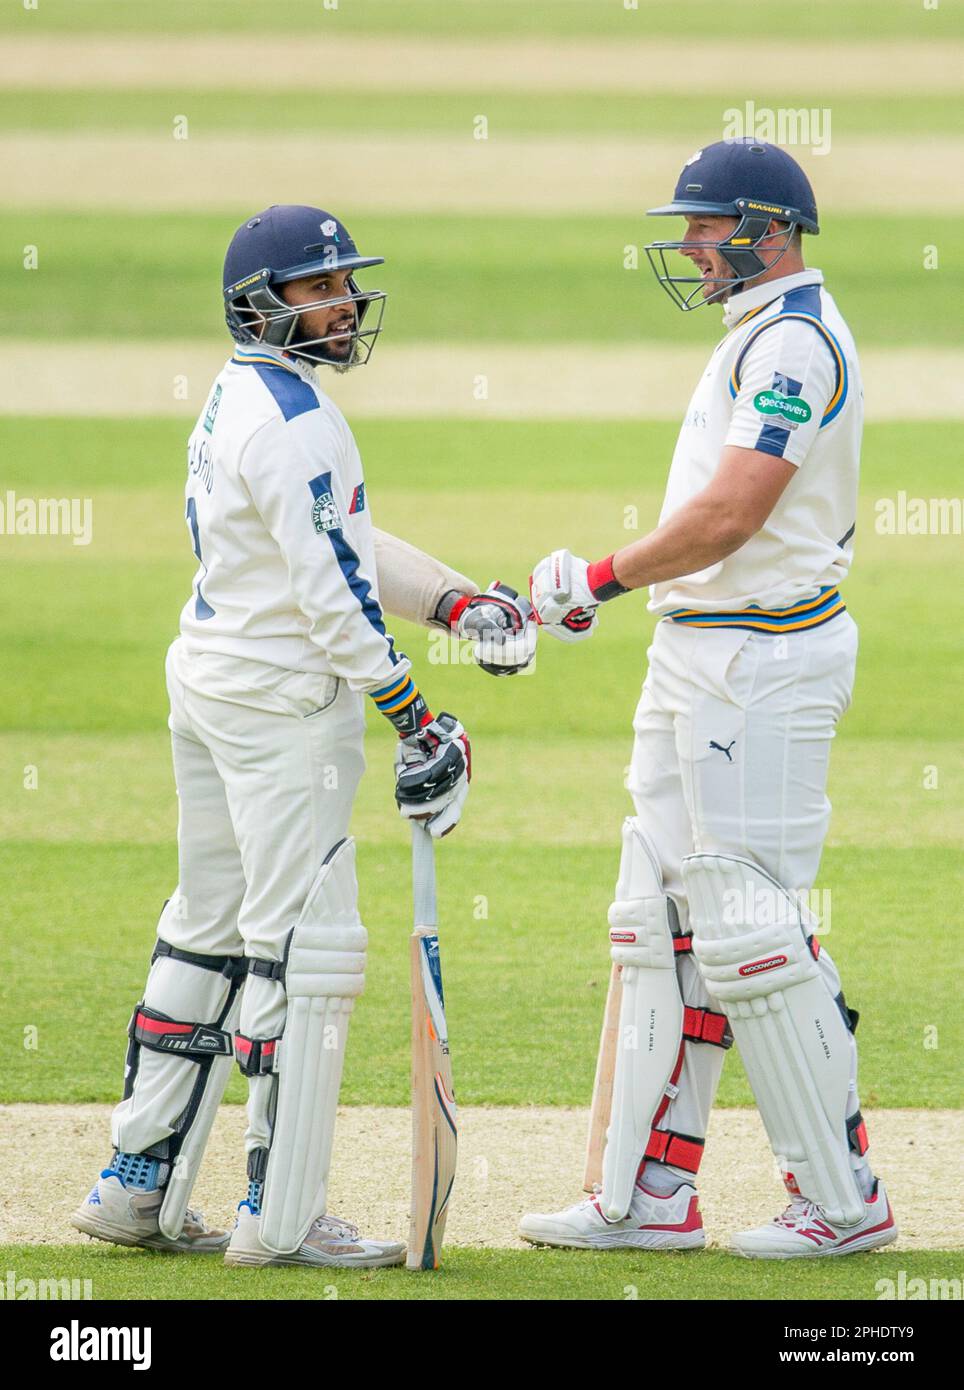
[
  {"x": 256, "y": 1056},
  {"x": 159, "y": 1033},
  {"x": 681, "y": 1150},
  {"x": 705, "y": 1026}
]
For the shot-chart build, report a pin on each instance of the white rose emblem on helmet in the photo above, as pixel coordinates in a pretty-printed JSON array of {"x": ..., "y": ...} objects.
[{"x": 329, "y": 228}]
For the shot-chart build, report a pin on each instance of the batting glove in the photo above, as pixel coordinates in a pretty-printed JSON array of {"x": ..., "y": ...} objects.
[
  {"x": 567, "y": 591},
  {"x": 501, "y": 626},
  {"x": 433, "y": 768}
]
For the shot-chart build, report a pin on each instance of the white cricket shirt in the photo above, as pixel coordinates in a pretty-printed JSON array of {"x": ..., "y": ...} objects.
[
  {"x": 784, "y": 380},
  {"x": 280, "y": 525}
]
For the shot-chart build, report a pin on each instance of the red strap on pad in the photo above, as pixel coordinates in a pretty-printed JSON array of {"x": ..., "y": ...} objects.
[
  {"x": 681, "y": 1150},
  {"x": 700, "y": 1025}
]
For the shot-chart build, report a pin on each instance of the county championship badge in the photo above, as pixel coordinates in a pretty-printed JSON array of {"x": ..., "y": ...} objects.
[{"x": 325, "y": 514}]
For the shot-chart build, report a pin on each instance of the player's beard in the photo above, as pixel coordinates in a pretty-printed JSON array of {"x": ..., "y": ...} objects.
[
  {"x": 350, "y": 359},
  {"x": 340, "y": 352},
  {"x": 342, "y": 364},
  {"x": 341, "y": 359}
]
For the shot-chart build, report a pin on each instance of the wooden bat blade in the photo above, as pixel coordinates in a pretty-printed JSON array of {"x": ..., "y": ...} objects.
[
  {"x": 434, "y": 1117},
  {"x": 602, "y": 1091}
]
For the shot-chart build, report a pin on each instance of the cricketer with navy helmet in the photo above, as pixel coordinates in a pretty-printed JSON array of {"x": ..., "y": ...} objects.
[
  {"x": 283, "y": 642},
  {"x": 756, "y": 184},
  {"x": 322, "y": 321},
  {"x": 751, "y": 667}
]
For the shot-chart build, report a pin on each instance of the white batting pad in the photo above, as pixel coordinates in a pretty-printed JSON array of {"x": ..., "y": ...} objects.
[
  {"x": 165, "y": 1095},
  {"x": 650, "y": 1017},
  {"x": 324, "y": 974},
  {"x": 750, "y": 941},
  {"x": 184, "y": 1173}
]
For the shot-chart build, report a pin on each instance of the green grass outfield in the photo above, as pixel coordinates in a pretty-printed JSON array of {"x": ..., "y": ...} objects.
[
  {"x": 819, "y": 19},
  {"x": 571, "y": 115},
  {"x": 538, "y": 280},
  {"x": 106, "y": 611},
  {"x": 88, "y": 857},
  {"x": 483, "y": 1274},
  {"x": 525, "y": 985}
]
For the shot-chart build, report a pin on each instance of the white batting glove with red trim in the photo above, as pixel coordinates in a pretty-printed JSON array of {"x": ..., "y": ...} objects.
[
  {"x": 563, "y": 602},
  {"x": 567, "y": 591}
]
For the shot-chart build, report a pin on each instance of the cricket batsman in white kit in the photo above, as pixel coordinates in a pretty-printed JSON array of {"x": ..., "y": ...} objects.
[
  {"x": 260, "y": 951},
  {"x": 751, "y": 667}
]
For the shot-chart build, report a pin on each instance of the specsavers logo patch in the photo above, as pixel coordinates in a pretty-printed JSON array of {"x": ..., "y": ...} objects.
[
  {"x": 325, "y": 513},
  {"x": 790, "y": 410}
]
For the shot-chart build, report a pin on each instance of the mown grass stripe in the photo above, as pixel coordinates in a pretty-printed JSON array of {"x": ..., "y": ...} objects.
[
  {"x": 487, "y": 278},
  {"x": 482, "y": 381},
  {"x": 702, "y": 117},
  {"x": 631, "y": 60},
  {"x": 422, "y": 174},
  {"x": 827, "y": 20}
]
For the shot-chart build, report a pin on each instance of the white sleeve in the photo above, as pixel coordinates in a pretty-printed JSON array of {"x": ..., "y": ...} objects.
[
  {"x": 784, "y": 385},
  {"x": 291, "y": 470},
  {"x": 410, "y": 582}
]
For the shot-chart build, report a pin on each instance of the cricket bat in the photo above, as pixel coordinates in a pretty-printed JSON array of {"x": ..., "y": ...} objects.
[
  {"x": 434, "y": 1131},
  {"x": 602, "y": 1091}
]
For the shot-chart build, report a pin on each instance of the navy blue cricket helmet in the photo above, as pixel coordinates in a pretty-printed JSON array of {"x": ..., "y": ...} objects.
[
  {"x": 750, "y": 180},
  {"x": 288, "y": 242}
]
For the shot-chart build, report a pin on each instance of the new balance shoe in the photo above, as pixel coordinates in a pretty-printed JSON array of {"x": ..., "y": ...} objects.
[{"x": 804, "y": 1230}]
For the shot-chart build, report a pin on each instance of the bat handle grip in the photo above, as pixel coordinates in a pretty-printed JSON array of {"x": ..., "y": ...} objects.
[{"x": 423, "y": 876}]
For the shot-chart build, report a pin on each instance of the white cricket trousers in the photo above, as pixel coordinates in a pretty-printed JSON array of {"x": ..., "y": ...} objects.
[
  {"x": 731, "y": 752},
  {"x": 267, "y": 763}
]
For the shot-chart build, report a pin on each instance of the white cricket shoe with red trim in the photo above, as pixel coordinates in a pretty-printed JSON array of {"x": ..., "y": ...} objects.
[
  {"x": 653, "y": 1223},
  {"x": 805, "y": 1231}
]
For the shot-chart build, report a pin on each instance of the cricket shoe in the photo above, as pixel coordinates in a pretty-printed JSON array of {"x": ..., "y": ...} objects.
[
  {"x": 653, "y": 1223},
  {"x": 330, "y": 1243},
  {"x": 805, "y": 1230},
  {"x": 128, "y": 1216}
]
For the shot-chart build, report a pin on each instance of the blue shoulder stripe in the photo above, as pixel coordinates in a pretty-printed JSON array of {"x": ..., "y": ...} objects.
[
  {"x": 348, "y": 563},
  {"x": 292, "y": 395},
  {"x": 805, "y": 299},
  {"x": 807, "y": 294},
  {"x": 772, "y": 438}
]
